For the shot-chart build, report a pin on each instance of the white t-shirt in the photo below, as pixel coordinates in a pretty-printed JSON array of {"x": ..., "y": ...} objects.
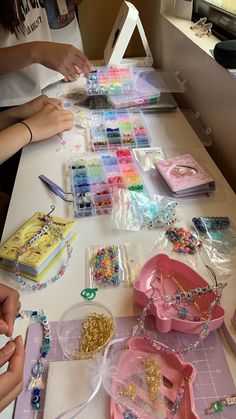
[{"x": 23, "y": 85}]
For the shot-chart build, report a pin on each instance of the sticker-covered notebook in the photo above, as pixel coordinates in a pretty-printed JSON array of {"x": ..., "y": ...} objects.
[
  {"x": 36, "y": 260},
  {"x": 184, "y": 176}
]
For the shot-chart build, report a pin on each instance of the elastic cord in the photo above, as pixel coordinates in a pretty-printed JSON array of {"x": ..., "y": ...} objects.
[{"x": 31, "y": 134}]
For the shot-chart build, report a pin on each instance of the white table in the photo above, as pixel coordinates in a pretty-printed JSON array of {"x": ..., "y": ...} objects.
[{"x": 168, "y": 130}]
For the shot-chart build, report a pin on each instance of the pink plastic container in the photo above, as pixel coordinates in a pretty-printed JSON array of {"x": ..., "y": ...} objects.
[
  {"x": 174, "y": 371},
  {"x": 169, "y": 276}
]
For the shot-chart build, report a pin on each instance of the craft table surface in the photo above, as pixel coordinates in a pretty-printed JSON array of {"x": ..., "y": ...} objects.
[{"x": 167, "y": 130}]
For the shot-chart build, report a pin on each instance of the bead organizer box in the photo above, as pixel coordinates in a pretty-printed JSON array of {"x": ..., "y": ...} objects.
[
  {"x": 110, "y": 80},
  {"x": 85, "y": 329},
  {"x": 112, "y": 129},
  {"x": 93, "y": 180}
]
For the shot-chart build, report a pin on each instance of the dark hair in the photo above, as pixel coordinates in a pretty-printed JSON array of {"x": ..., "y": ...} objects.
[{"x": 11, "y": 17}]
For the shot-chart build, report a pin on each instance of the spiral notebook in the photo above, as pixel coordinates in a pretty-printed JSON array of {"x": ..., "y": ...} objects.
[
  {"x": 38, "y": 258},
  {"x": 184, "y": 176}
]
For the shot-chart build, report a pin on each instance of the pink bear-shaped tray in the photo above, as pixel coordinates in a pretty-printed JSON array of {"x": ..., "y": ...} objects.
[
  {"x": 174, "y": 372},
  {"x": 169, "y": 277}
]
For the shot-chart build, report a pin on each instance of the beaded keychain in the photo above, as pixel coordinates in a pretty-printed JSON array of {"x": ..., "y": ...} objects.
[
  {"x": 170, "y": 299},
  {"x": 182, "y": 311},
  {"x": 36, "y": 383},
  {"x": 219, "y": 405},
  {"x": 57, "y": 233}
]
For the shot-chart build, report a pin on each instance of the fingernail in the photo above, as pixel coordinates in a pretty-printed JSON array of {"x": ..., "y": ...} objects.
[
  {"x": 7, "y": 350},
  {"x": 20, "y": 339},
  {"x": 3, "y": 326}
]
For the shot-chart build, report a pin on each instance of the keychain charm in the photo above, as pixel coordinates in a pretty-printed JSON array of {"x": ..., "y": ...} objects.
[{"x": 218, "y": 406}]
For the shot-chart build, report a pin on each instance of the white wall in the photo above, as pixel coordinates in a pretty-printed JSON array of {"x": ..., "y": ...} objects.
[{"x": 210, "y": 88}]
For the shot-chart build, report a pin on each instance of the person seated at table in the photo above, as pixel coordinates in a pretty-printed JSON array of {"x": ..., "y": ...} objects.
[
  {"x": 34, "y": 121},
  {"x": 13, "y": 353},
  {"x": 40, "y": 44}
]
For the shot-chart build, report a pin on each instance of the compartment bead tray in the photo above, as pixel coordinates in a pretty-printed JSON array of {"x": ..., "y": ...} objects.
[
  {"x": 93, "y": 180},
  {"x": 110, "y": 80},
  {"x": 113, "y": 129}
]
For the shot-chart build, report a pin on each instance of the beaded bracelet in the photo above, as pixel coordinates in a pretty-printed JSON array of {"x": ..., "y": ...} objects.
[
  {"x": 175, "y": 298},
  {"x": 188, "y": 295},
  {"x": 179, "y": 397},
  {"x": 57, "y": 233},
  {"x": 219, "y": 405},
  {"x": 36, "y": 384}
]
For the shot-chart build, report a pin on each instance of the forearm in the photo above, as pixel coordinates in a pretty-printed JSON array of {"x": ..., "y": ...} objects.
[
  {"x": 13, "y": 139},
  {"x": 20, "y": 56},
  {"x": 10, "y": 117}
]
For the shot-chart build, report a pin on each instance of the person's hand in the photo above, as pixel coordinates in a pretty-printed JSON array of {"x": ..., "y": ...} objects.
[
  {"x": 64, "y": 58},
  {"x": 29, "y": 109},
  {"x": 9, "y": 308},
  {"x": 11, "y": 381},
  {"x": 13, "y": 352},
  {"x": 73, "y": 78},
  {"x": 49, "y": 122}
]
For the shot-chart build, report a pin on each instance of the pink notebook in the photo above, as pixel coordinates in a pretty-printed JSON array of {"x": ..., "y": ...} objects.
[{"x": 185, "y": 176}]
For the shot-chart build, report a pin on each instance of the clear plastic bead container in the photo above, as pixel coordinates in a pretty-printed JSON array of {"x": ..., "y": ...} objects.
[{"x": 84, "y": 330}]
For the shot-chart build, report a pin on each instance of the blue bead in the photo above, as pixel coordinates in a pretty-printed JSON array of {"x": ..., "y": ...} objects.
[
  {"x": 36, "y": 406},
  {"x": 37, "y": 370},
  {"x": 36, "y": 391},
  {"x": 183, "y": 312},
  {"x": 36, "y": 399},
  {"x": 34, "y": 313}
]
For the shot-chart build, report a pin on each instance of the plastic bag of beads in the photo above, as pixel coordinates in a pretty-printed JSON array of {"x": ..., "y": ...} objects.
[
  {"x": 184, "y": 245},
  {"x": 218, "y": 236},
  {"x": 113, "y": 266},
  {"x": 133, "y": 379},
  {"x": 147, "y": 156},
  {"x": 136, "y": 211}
]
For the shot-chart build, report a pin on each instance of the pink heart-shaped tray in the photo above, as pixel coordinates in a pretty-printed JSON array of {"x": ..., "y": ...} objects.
[
  {"x": 168, "y": 277},
  {"x": 174, "y": 372}
]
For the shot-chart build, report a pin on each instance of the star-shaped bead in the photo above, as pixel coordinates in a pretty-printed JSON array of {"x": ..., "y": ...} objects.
[{"x": 36, "y": 383}]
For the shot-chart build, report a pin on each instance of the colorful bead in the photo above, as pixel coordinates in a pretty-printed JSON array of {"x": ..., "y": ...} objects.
[
  {"x": 176, "y": 299},
  {"x": 184, "y": 241},
  {"x": 36, "y": 383},
  {"x": 105, "y": 266}
]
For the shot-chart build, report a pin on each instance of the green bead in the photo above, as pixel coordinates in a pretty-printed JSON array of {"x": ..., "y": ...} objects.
[{"x": 218, "y": 407}]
